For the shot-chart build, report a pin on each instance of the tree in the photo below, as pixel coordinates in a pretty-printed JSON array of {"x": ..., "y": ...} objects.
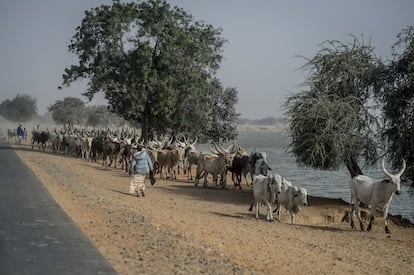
[
  {"x": 331, "y": 123},
  {"x": 397, "y": 97},
  {"x": 224, "y": 116},
  {"x": 154, "y": 64},
  {"x": 21, "y": 108},
  {"x": 101, "y": 116},
  {"x": 69, "y": 111}
]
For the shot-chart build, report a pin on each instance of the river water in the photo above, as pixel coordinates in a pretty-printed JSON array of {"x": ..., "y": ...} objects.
[{"x": 330, "y": 184}]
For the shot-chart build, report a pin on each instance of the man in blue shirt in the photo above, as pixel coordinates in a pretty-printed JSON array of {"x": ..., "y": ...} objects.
[{"x": 20, "y": 134}]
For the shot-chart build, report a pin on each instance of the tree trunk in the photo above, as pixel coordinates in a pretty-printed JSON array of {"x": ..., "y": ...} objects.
[
  {"x": 353, "y": 167},
  {"x": 145, "y": 130}
]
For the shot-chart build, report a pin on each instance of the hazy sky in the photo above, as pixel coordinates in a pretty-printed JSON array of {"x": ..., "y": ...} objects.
[{"x": 260, "y": 59}]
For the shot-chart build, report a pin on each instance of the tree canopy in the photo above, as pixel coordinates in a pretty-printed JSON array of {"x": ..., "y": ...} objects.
[
  {"x": 355, "y": 107},
  {"x": 397, "y": 97},
  {"x": 331, "y": 123},
  {"x": 21, "y": 108},
  {"x": 155, "y": 65},
  {"x": 69, "y": 111},
  {"x": 99, "y": 115}
]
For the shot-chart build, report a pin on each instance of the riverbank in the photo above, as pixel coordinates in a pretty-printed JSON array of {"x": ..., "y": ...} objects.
[
  {"x": 182, "y": 229},
  {"x": 269, "y": 128}
]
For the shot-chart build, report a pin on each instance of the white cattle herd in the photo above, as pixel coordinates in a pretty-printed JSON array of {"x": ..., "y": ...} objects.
[{"x": 172, "y": 153}]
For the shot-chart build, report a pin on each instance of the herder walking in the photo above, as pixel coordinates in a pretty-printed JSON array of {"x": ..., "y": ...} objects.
[{"x": 141, "y": 165}]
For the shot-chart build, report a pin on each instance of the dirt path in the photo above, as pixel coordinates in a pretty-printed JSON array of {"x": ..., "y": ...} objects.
[{"x": 181, "y": 229}]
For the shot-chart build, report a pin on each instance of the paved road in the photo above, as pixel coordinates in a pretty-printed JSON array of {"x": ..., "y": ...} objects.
[{"x": 36, "y": 235}]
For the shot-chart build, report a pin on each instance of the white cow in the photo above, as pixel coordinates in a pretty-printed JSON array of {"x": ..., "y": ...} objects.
[
  {"x": 216, "y": 163},
  {"x": 11, "y": 133},
  {"x": 375, "y": 193},
  {"x": 86, "y": 145},
  {"x": 291, "y": 198},
  {"x": 265, "y": 189}
]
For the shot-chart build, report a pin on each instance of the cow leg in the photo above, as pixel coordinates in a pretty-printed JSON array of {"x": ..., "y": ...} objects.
[
  {"x": 169, "y": 173},
  {"x": 198, "y": 174},
  {"x": 269, "y": 212},
  {"x": 355, "y": 207},
  {"x": 215, "y": 179},
  {"x": 160, "y": 169},
  {"x": 110, "y": 161},
  {"x": 238, "y": 180},
  {"x": 234, "y": 178},
  {"x": 189, "y": 173},
  {"x": 292, "y": 217},
  {"x": 240, "y": 187},
  {"x": 371, "y": 221},
  {"x": 115, "y": 159},
  {"x": 387, "y": 229},
  {"x": 245, "y": 178},
  {"x": 257, "y": 210},
  {"x": 174, "y": 174},
  {"x": 223, "y": 179},
  {"x": 277, "y": 211},
  {"x": 361, "y": 224},
  {"x": 352, "y": 216},
  {"x": 205, "y": 179}
]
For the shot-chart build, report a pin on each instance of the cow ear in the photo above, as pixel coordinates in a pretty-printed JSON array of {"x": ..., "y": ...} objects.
[
  {"x": 296, "y": 193},
  {"x": 386, "y": 181}
]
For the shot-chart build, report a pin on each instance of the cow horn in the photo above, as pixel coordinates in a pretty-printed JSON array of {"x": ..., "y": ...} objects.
[
  {"x": 212, "y": 149},
  {"x": 222, "y": 150},
  {"x": 389, "y": 174},
  {"x": 195, "y": 141},
  {"x": 402, "y": 169},
  {"x": 386, "y": 173},
  {"x": 218, "y": 148}
]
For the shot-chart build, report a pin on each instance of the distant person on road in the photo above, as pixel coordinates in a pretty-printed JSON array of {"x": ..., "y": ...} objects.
[
  {"x": 20, "y": 134},
  {"x": 141, "y": 165}
]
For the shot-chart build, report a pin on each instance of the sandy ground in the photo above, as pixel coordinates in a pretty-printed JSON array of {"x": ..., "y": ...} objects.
[{"x": 178, "y": 228}]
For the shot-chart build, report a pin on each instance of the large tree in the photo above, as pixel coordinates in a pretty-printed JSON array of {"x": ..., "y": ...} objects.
[
  {"x": 331, "y": 123},
  {"x": 69, "y": 111},
  {"x": 154, "y": 63},
  {"x": 21, "y": 108},
  {"x": 221, "y": 130},
  {"x": 397, "y": 98}
]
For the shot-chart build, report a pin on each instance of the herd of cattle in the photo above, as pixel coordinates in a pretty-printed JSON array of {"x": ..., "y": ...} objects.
[{"x": 170, "y": 154}]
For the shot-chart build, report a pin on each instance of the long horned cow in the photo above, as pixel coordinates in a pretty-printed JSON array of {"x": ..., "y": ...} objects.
[{"x": 376, "y": 193}]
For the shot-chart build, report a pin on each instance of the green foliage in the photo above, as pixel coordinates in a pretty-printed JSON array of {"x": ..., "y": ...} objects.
[
  {"x": 343, "y": 70},
  {"x": 96, "y": 115},
  {"x": 397, "y": 97},
  {"x": 69, "y": 111},
  {"x": 154, "y": 64},
  {"x": 102, "y": 117},
  {"x": 20, "y": 109},
  {"x": 326, "y": 131},
  {"x": 223, "y": 125},
  {"x": 330, "y": 124}
]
